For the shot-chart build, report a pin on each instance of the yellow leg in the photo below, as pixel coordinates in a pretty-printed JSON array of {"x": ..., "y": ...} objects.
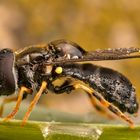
[
  {"x": 105, "y": 103},
  {"x": 99, "y": 108},
  {"x": 34, "y": 102},
  {"x": 16, "y": 108},
  {"x": 5, "y": 101}
]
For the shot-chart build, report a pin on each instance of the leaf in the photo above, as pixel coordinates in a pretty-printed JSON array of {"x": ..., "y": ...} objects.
[{"x": 66, "y": 131}]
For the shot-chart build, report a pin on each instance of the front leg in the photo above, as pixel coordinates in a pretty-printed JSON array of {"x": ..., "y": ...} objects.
[
  {"x": 19, "y": 98},
  {"x": 34, "y": 102}
]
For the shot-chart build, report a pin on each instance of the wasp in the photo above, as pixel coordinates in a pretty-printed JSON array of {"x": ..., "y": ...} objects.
[{"x": 35, "y": 69}]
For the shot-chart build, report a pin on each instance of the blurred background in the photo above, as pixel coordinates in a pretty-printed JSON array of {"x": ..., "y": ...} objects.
[{"x": 93, "y": 24}]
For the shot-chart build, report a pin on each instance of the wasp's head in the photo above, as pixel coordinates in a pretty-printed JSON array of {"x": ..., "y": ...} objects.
[{"x": 7, "y": 73}]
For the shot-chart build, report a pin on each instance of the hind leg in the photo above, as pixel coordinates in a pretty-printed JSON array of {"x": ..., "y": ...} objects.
[
  {"x": 68, "y": 87},
  {"x": 99, "y": 108},
  {"x": 105, "y": 103}
]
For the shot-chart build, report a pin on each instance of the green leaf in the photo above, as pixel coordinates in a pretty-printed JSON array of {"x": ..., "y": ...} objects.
[
  {"x": 55, "y": 125},
  {"x": 66, "y": 131}
]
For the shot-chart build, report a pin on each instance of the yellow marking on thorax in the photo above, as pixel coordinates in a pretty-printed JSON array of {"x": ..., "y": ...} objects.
[{"x": 59, "y": 70}]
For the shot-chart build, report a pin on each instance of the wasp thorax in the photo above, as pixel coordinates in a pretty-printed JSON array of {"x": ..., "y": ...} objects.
[{"x": 67, "y": 49}]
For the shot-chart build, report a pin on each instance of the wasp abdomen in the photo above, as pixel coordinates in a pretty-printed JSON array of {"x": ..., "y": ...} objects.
[
  {"x": 112, "y": 85},
  {"x": 7, "y": 77},
  {"x": 119, "y": 89}
]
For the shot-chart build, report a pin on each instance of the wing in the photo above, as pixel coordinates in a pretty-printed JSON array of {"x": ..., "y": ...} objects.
[{"x": 101, "y": 55}]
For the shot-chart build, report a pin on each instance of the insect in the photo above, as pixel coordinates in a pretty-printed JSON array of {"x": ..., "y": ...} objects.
[{"x": 35, "y": 69}]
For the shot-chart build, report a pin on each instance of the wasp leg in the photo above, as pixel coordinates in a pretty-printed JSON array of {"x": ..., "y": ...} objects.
[
  {"x": 5, "y": 101},
  {"x": 34, "y": 102},
  {"x": 105, "y": 103},
  {"x": 19, "y": 99},
  {"x": 67, "y": 87},
  {"x": 98, "y": 107},
  {"x": 92, "y": 95}
]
